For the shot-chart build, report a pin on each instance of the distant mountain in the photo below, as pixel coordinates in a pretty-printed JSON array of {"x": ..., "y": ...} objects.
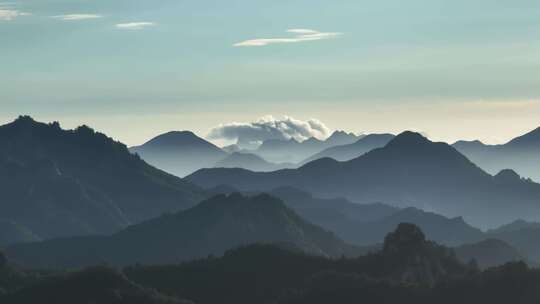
[
  {"x": 526, "y": 240},
  {"x": 446, "y": 231},
  {"x": 339, "y": 138},
  {"x": 293, "y": 151},
  {"x": 324, "y": 211},
  {"x": 521, "y": 154},
  {"x": 231, "y": 149},
  {"x": 56, "y": 183},
  {"x": 351, "y": 151},
  {"x": 515, "y": 226},
  {"x": 179, "y": 153},
  {"x": 250, "y": 162},
  {"x": 489, "y": 253},
  {"x": 367, "y": 224},
  {"x": 409, "y": 171},
  {"x": 210, "y": 228}
]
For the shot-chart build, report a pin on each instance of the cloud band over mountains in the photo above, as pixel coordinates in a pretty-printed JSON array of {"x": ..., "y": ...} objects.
[{"x": 269, "y": 127}]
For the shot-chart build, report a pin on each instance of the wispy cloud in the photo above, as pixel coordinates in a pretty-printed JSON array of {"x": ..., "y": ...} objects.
[
  {"x": 8, "y": 12},
  {"x": 301, "y": 35},
  {"x": 135, "y": 25},
  {"x": 77, "y": 17}
]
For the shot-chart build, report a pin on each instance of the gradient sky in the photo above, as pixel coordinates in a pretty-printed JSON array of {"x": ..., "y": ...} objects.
[{"x": 454, "y": 69}]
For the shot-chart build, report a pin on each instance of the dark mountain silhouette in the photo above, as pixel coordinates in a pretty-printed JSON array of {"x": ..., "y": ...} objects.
[
  {"x": 56, "y": 182},
  {"x": 179, "y": 153},
  {"x": 410, "y": 257},
  {"x": 521, "y": 154},
  {"x": 351, "y": 151},
  {"x": 210, "y": 228},
  {"x": 249, "y": 161},
  {"x": 93, "y": 285},
  {"x": 489, "y": 253},
  {"x": 269, "y": 274},
  {"x": 408, "y": 171},
  {"x": 293, "y": 151},
  {"x": 407, "y": 269}
]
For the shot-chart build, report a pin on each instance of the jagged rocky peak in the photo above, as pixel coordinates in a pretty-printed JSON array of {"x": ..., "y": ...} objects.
[{"x": 407, "y": 237}]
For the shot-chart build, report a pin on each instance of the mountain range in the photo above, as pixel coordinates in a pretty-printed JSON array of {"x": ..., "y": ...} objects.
[
  {"x": 210, "y": 228},
  {"x": 354, "y": 150},
  {"x": 521, "y": 154},
  {"x": 251, "y": 162},
  {"x": 293, "y": 151},
  {"x": 57, "y": 183},
  {"x": 410, "y": 171},
  {"x": 367, "y": 224}
]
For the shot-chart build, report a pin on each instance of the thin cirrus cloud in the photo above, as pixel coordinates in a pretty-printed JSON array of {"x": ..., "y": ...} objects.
[
  {"x": 301, "y": 35},
  {"x": 135, "y": 25},
  {"x": 8, "y": 12},
  {"x": 77, "y": 17}
]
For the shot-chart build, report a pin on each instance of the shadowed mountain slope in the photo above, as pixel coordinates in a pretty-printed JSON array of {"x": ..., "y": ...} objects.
[
  {"x": 409, "y": 171},
  {"x": 351, "y": 151},
  {"x": 210, "y": 228},
  {"x": 56, "y": 182}
]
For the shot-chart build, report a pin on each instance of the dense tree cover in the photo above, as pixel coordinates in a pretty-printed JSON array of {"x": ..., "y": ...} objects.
[
  {"x": 260, "y": 273},
  {"x": 408, "y": 269},
  {"x": 98, "y": 284}
]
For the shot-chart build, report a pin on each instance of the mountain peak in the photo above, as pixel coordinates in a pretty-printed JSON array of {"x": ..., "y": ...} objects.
[
  {"x": 404, "y": 238},
  {"x": 175, "y": 138},
  {"x": 24, "y": 119},
  {"x": 340, "y": 137},
  {"x": 508, "y": 176},
  {"x": 530, "y": 139},
  {"x": 408, "y": 139}
]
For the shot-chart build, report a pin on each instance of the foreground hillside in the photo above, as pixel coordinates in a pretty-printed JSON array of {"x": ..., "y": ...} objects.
[
  {"x": 407, "y": 269},
  {"x": 210, "y": 228},
  {"x": 408, "y": 171},
  {"x": 56, "y": 182}
]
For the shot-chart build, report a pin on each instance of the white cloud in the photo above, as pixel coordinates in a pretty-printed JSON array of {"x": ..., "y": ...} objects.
[
  {"x": 77, "y": 17},
  {"x": 269, "y": 127},
  {"x": 302, "y": 35},
  {"x": 8, "y": 12},
  {"x": 135, "y": 25}
]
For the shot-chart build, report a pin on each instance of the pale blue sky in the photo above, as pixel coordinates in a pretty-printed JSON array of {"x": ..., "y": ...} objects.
[{"x": 453, "y": 69}]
